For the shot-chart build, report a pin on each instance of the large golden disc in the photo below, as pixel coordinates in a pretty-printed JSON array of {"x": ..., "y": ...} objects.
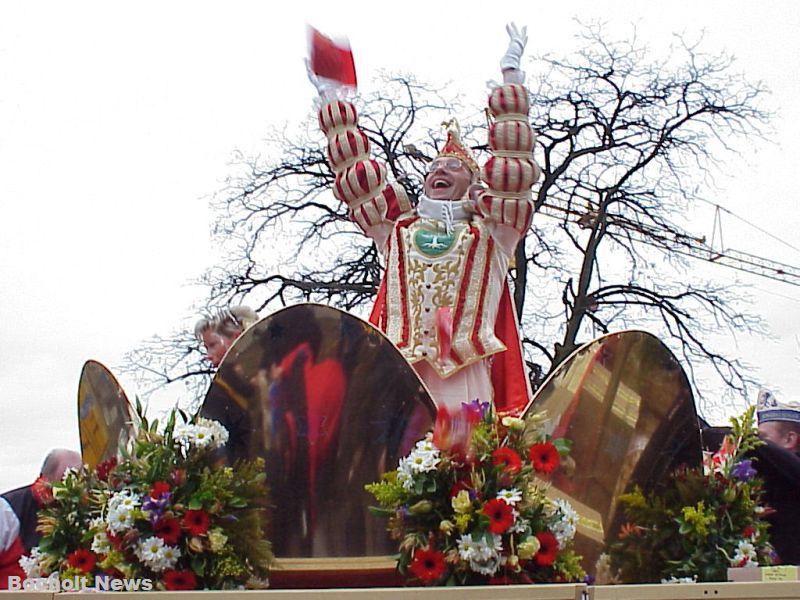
[
  {"x": 626, "y": 405},
  {"x": 104, "y": 414},
  {"x": 331, "y": 405}
]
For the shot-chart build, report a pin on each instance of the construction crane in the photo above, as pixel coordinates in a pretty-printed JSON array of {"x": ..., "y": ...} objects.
[{"x": 693, "y": 247}]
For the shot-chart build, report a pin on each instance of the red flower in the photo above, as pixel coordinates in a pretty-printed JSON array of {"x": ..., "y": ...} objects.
[
  {"x": 104, "y": 468},
  {"x": 547, "y": 550},
  {"x": 629, "y": 529},
  {"x": 180, "y": 580},
  {"x": 82, "y": 559},
  {"x": 428, "y": 565},
  {"x": 196, "y": 522},
  {"x": 116, "y": 540},
  {"x": 159, "y": 487},
  {"x": 508, "y": 459},
  {"x": 168, "y": 530},
  {"x": 42, "y": 491},
  {"x": 544, "y": 457},
  {"x": 501, "y": 515},
  {"x": 749, "y": 532}
]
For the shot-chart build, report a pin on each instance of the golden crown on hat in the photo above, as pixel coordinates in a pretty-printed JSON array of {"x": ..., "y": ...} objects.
[
  {"x": 456, "y": 148},
  {"x": 769, "y": 409}
]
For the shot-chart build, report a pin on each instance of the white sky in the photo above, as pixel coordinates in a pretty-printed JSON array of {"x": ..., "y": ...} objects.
[{"x": 117, "y": 120}]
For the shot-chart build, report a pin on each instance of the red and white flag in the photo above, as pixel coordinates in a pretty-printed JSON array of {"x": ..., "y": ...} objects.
[{"x": 331, "y": 59}]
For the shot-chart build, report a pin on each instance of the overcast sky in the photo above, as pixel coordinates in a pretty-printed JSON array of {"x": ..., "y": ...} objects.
[{"x": 118, "y": 120}]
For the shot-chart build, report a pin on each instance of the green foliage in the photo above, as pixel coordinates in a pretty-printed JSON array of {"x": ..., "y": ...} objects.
[
  {"x": 701, "y": 521},
  {"x": 143, "y": 499},
  {"x": 468, "y": 505}
]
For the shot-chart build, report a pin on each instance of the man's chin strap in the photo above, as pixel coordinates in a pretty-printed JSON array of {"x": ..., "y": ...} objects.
[{"x": 445, "y": 211}]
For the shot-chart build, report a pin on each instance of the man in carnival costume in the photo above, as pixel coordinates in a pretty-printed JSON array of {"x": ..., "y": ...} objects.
[{"x": 444, "y": 299}]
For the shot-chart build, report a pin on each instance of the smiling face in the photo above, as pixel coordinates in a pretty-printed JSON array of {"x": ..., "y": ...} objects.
[{"x": 447, "y": 179}]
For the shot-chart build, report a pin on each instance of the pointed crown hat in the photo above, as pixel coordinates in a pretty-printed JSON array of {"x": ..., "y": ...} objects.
[
  {"x": 456, "y": 148},
  {"x": 769, "y": 409}
]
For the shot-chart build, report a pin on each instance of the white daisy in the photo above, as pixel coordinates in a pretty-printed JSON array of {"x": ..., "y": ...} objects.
[
  {"x": 511, "y": 496},
  {"x": 149, "y": 550},
  {"x": 100, "y": 543},
  {"x": 119, "y": 520}
]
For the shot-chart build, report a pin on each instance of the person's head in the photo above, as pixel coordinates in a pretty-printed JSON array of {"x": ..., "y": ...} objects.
[
  {"x": 218, "y": 332},
  {"x": 783, "y": 433},
  {"x": 59, "y": 460},
  {"x": 448, "y": 178},
  {"x": 778, "y": 422},
  {"x": 453, "y": 171}
]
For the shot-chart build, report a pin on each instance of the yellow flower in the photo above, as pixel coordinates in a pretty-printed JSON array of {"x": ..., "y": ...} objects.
[
  {"x": 461, "y": 502},
  {"x": 47, "y": 525},
  {"x": 462, "y": 521},
  {"x": 217, "y": 539},
  {"x": 446, "y": 526},
  {"x": 528, "y": 548},
  {"x": 698, "y": 517}
]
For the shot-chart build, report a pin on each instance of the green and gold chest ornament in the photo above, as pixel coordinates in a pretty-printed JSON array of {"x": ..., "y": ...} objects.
[{"x": 433, "y": 243}]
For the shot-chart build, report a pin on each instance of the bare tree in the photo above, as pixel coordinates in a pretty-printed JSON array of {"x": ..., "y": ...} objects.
[{"x": 626, "y": 144}]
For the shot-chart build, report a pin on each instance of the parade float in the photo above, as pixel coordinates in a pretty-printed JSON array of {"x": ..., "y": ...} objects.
[{"x": 338, "y": 457}]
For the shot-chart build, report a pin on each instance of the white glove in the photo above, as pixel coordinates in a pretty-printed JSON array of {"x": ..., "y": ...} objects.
[{"x": 518, "y": 38}]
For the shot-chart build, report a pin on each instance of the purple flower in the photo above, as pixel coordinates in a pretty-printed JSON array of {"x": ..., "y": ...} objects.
[
  {"x": 476, "y": 407},
  {"x": 155, "y": 507},
  {"x": 743, "y": 470}
]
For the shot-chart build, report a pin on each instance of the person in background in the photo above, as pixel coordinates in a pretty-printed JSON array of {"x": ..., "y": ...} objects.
[
  {"x": 778, "y": 464},
  {"x": 218, "y": 332},
  {"x": 778, "y": 422},
  {"x": 11, "y": 548},
  {"x": 26, "y": 501}
]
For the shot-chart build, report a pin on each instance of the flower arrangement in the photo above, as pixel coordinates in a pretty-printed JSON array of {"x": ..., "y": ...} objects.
[
  {"x": 468, "y": 504},
  {"x": 166, "y": 512},
  {"x": 702, "y": 521}
]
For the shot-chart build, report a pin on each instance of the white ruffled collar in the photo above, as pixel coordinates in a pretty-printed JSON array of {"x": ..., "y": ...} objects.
[{"x": 444, "y": 211}]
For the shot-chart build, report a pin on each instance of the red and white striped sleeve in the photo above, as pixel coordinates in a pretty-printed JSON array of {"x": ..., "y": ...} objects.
[
  {"x": 360, "y": 181},
  {"x": 511, "y": 170}
]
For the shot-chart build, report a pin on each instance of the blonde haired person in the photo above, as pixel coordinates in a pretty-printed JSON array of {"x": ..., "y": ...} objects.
[{"x": 218, "y": 332}]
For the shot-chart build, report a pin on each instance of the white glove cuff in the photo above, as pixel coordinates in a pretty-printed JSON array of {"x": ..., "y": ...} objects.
[{"x": 513, "y": 76}]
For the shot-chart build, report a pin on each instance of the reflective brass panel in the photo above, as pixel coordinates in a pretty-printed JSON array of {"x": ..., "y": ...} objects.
[
  {"x": 627, "y": 406},
  {"x": 104, "y": 414},
  {"x": 330, "y": 404}
]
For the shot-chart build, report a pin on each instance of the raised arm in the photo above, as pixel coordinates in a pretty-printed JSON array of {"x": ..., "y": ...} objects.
[
  {"x": 361, "y": 183},
  {"x": 511, "y": 171},
  {"x": 372, "y": 202}
]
